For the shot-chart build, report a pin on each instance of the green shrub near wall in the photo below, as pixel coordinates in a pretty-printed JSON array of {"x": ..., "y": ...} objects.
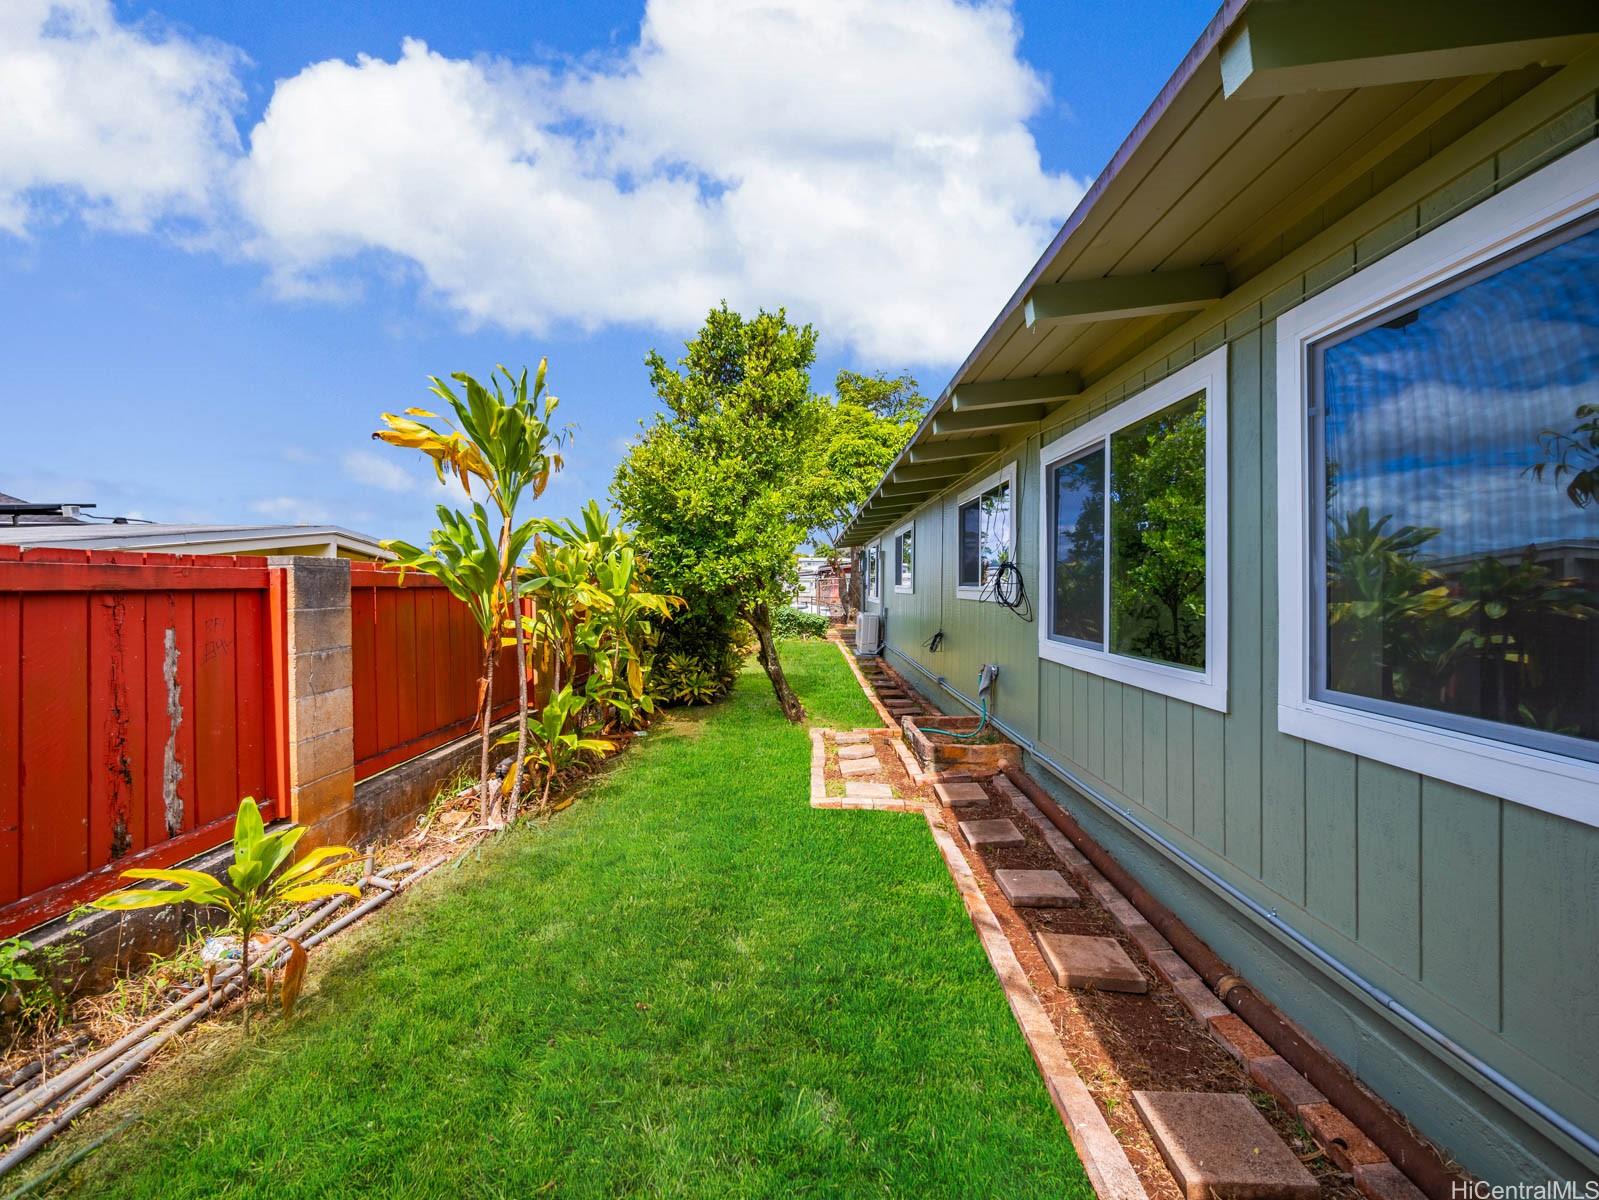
[{"x": 797, "y": 623}]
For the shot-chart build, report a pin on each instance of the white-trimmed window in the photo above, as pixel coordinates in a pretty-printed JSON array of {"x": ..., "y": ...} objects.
[
  {"x": 904, "y": 550},
  {"x": 1133, "y": 539},
  {"x": 871, "y": 573},
  {"x": 985, "y": 533},
  {"x": 1438, "y": 499}
]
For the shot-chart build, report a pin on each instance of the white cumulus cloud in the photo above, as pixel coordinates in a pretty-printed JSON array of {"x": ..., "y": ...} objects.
[
  {"x": 869, "y": 166},
  {"x": 131, "y": 125}
]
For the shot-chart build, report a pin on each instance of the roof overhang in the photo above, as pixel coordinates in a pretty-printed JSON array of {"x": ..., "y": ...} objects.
[{"x": 1279, "y": 105}]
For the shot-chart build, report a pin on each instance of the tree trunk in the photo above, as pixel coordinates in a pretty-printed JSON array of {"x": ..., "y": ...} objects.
[
  {"x": 488, "y": 725},
  {"x": 760, "y": 620},
  {"x": 521, "y": 712}
]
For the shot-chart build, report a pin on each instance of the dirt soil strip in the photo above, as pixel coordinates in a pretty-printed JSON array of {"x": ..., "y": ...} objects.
[{"x": 1103, "y": 1157}]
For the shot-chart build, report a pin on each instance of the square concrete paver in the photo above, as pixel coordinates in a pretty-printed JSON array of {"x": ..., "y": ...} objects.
[
  {"x": 850, "y": 739},
  {"x": 848, "y": 752},
  {"x": 1218, "y": 1144},
  {"x": 867, "y": 790},
  {"x": 992, "y": 833},
  {"x": 1036, "y": 889},
  {"x": 1090, "y": 962},
  {"x": 860, "y": 766},
  {"x": 958, "y": 794}
]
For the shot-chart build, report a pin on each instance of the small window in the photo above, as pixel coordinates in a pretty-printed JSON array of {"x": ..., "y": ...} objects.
[
  {"x": 987, "y": 535},
  {"x": 1134, "y": 539},
  {"x": 871, "y": 583},
  {"x": 904, "y": 571}
]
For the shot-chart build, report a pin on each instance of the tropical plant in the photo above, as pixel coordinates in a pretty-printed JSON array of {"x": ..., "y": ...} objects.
[
  {"x": 465, "y": 555},
  {"x": 255, "y": 883},
  {"x": 21, "y": 984},
  {"x": 559, "y": 736},
  {"x": 506, "y": 443},
  {"x": 685, "y": 680},
  {"x": 718, "y": 487}
]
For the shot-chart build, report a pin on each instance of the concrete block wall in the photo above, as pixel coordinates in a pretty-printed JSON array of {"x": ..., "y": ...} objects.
[{"x": 321, "y": 698}]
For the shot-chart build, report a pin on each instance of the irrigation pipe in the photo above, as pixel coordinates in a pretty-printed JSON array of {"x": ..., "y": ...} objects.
[
  {"x": 47, "y": 1094},
  {"x": 131, "y": 1051}
]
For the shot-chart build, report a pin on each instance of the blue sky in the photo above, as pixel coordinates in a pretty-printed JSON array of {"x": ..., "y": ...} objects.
[{"x": 231, "y": 234}]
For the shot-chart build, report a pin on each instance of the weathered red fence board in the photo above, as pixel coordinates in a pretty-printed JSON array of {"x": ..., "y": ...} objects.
[
  {"x": 139, "y": 701},
  {"x": 416, "y": 655}
]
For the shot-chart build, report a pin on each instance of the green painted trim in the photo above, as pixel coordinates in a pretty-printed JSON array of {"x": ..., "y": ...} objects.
[
  {"x": 930, "y": 472},
  {"x": 1293, "y": 46},
  {"x": 990, "y": 418},
  {"x": 1114, "y": 297},
  {"x": 965, "y": 448},
  {"x": 1017, "y": 391}
]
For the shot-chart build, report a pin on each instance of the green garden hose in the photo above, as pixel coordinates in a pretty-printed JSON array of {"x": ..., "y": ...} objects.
[{"x": 965, "y": 737}]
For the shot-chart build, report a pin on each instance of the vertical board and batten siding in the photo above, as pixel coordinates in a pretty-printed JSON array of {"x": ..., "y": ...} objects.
[
  {"x": 138, "y": 705},
  {"x": 1479, "y": 914},
  {"x": 416, "y": 658}
]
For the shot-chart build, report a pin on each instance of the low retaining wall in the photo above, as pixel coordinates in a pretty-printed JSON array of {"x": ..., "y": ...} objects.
[{"x": 87, "y": 955}]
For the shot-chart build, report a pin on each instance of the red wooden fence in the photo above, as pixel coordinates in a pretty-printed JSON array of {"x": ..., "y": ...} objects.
[
  {"x": 140, "y": 697},
  {"x": 417, "y": 660}
]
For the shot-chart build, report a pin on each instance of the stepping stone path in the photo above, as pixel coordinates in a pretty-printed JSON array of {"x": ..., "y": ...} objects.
[
  {"x": 845, "y": 753},
  {"x": 992, "y": 833},
  {"x": 1218, "y": 1144},
  {"x": 1036, "y": 889},
  {"x": 867, "y": 790},
  {"x": 958, "y": 794},
  {"x": 860, "y": 766},
  {"x": 851, "y": 739},
  {"x": 1090, "y": 962}
]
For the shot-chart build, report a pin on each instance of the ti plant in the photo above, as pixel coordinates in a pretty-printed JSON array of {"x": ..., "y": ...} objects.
[
  {"x": 254, "y": 886},
  {"x": 559, "y": 737},
  {"x": 462, "y": 555}
]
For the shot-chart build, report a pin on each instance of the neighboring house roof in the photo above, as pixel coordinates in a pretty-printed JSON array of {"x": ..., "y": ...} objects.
[
  {"x": 1278, "y": 124},
  {"x": 52, "y": 514},
  {"x": 330, "y": 540}
]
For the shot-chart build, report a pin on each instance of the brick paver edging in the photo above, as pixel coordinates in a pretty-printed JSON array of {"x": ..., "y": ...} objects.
[
  {"x": 1375, "y": 1176},
  {"x": 1102, "y": 1156}
]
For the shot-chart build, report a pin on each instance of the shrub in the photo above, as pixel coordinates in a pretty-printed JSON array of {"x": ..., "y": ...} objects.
[{"x": 797, "y": 623}]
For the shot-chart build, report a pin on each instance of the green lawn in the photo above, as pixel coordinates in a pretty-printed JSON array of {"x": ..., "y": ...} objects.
[{"x": 689, "y": 984}]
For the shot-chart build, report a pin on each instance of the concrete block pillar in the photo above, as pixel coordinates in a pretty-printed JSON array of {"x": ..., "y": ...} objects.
[{"x": 321, "y": 700}]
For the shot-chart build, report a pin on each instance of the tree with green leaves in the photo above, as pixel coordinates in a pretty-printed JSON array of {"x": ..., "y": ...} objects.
[
  {"x": 718, "y": 485},
  {"x": 867, "y": 425}
]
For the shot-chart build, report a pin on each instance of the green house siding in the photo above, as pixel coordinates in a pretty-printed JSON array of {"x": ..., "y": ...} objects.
[{"x": 1479, "y": 914}]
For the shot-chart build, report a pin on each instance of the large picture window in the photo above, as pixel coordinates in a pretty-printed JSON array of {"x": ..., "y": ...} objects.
[
  {"x": 1438, "y": 424},
  {"x": 1134, "y": 539},
  {"x": 986, "y": 533},
  {"x": 1457, "y": 495}
]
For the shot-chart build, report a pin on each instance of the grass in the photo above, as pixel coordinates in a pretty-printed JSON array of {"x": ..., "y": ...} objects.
[{"x": 690, "y": 984}]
